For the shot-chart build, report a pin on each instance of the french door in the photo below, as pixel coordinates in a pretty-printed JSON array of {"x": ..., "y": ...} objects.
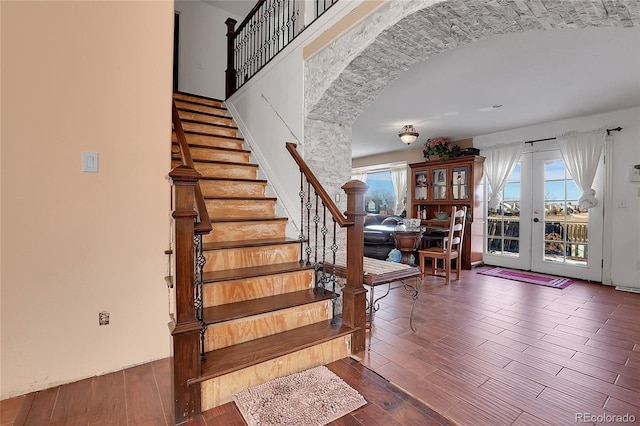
[{"x": 540, "y": 227}]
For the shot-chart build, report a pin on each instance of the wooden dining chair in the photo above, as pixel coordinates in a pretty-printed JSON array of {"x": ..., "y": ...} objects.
[{"x": 450, "y": 249}]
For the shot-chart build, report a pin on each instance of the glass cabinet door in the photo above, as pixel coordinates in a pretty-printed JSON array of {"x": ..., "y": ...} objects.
[
  {"x": 460, "y": 183},
  {"x": 420, "y": 180},
  {"x": 439, "y": 184}
]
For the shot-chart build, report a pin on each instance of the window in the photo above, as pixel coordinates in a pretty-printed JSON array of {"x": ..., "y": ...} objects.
[{"x": 384, "y": 181}]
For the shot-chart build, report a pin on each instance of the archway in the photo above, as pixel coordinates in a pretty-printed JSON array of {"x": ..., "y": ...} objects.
[{"x": 343, "y": 79}]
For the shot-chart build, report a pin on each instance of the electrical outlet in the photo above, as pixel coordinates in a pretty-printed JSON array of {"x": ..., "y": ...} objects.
[{"x": 103, "y": 318}]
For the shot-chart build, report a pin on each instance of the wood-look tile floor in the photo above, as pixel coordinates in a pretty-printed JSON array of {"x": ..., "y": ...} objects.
[{"x": 487, "y": 351}]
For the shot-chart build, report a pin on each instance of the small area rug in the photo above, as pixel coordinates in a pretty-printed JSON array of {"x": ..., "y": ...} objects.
[
  {"x": 311, "y": 397},
  {"x": 528, "y": 277}
]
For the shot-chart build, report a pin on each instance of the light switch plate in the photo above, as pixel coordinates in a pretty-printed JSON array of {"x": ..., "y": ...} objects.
[
  {"x": 634, "y": 174},
  {"x": 90, "y": 162}
]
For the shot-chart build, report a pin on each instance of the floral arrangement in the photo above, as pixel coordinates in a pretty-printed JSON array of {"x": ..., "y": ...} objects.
[{"x": 441, "y": 147}]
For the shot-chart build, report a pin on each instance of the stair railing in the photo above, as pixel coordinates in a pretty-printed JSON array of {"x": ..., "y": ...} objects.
[
  {"x": 191, "y": 222},
  {"x": 185, "y": 326},
  {"x": 202, "y": 227},
  {"x": 268, "y": 28},
  {"x": 203, "y": 224},
  {"x": 315, "y": 202}
]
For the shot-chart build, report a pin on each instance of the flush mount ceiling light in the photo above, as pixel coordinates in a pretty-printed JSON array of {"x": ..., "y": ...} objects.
[{"x": 408, "y": 134}]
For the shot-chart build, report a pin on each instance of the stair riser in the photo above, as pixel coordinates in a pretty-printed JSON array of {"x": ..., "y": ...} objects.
[
  {"x": 232, "y": 291},
  {"x": 233, "y": 188},
  {"x": 227, "y": 171},
  {"x": 206, "y": 118},
  {"x": 209, "y": 130},
  {"x": 189, "y": 98},
  {"x": 218, "y": 260},
  {"x": 238, "y": 231},
  {"x": 245, "y": 329},
  {"x": 213, "y": 154},
  {"x": 201, "y": 108},
  {"x": 220, "y": 390},
  {"x": 212, "y": 141},
  {"x": 244, "y": 208}
]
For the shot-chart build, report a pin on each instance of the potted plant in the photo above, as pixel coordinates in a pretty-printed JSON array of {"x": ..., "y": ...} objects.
[{"x": 440, "y": 147}]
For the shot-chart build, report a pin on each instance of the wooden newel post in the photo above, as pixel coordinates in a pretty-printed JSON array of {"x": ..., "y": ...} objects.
[
  {"x": 185, "y": 329},
  {"x": 354, "y": 294},
  {"x": 230, "y": 73}
]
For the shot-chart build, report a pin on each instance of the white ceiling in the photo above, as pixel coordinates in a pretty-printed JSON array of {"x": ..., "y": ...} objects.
[
  {"x": 537, "y": 76},
  {"x": 237, "y": 7}
]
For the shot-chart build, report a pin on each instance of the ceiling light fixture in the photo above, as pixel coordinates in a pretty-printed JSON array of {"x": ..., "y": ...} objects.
[{"x": 408, "y": 134}]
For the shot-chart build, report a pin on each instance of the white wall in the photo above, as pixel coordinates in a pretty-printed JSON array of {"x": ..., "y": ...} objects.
[
  {"x": 269, "y": 110},
  {"x": 203, "y": 48},
  {"x": 83, "y": 76},
  {"x": 625, "y": 235}
]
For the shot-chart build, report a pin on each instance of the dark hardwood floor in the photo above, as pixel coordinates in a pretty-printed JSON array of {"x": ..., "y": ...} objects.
[{"x": 487, "y": 352}]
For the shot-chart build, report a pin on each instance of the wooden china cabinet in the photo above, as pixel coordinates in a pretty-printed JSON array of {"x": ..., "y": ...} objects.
[{"x": 436, "y": 186}]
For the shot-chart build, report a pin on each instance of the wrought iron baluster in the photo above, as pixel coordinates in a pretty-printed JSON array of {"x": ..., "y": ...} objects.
[
  {"x": 324, "y": 231},
  {"x": 334, "y": 275},
  {"x": 200, "y": 261},
  {"x": 308, "y": 206},
  {"x": 316, "y": 221},
  {"x": 301, "y": 236}
]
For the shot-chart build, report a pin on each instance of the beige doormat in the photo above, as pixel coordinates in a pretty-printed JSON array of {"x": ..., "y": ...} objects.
[{"x": 312, "y": 397}]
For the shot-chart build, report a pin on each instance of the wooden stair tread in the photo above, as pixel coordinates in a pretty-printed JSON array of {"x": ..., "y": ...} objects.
[
  {"x": 241, "y": 198},
  {"x": 254, "y": 271},
  {"x": 208, "y": 114},
  {"x": 247, "y": 308},
  {"x": 248, "y": 243},
  {"x": 247, "y": 219},
  {"x": 191, "y": 132},
  {"x": 223, "y": 126},
  {"x": 225, "y": 179},
  {"x": 233, "y": 358},
  {"x": 232, "y": 163},
  {"x": 203, "y": 100},
  {"x": 216, "y": 148}
]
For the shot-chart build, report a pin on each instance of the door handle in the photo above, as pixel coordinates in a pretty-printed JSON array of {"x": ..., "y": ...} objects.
[{"x": 535, "y": 219}]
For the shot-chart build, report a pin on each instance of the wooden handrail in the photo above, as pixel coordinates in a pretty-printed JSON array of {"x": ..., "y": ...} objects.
[
  {"x": 204, "y": 225},
  {"x": 354, "y": 293},
  {"x": 340, "y": 218}
]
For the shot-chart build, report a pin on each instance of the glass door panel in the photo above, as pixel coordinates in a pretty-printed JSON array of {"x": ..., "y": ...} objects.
[
  {"x": 503, "y": 243},
  {"x": 420, "y": 186},
  {"x": 439, "y": 184},
  {"x": 567, "y": 239},
  {"x": 460, "y": 183}
]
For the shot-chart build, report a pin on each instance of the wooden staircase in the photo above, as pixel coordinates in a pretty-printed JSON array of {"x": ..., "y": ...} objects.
[{"x": 264, "y": 319}]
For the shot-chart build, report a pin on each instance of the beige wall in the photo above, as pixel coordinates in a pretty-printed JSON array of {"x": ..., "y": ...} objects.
[
  {"x": 411, "y": 154},
  {"x": 83, "y": 76}
]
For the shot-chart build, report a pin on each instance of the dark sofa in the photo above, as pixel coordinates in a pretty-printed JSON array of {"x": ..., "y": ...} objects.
[{"x": 378, "y": 235}]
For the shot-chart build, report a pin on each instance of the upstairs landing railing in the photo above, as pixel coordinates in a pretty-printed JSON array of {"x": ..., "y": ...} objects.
[
  {"x": 315, "y": 203},
  {"x": 268, "y": 28}
]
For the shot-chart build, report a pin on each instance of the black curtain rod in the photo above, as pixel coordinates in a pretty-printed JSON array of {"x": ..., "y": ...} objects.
[{"x": 617, "y": 129}]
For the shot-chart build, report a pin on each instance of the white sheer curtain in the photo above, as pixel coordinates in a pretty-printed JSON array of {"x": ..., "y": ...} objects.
[
  {"x": 500, "y": 160},
  {"x": 581, "y": 153},
  {"x": 359, "y": 175},
  {"x": 399, "y": 181}
]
